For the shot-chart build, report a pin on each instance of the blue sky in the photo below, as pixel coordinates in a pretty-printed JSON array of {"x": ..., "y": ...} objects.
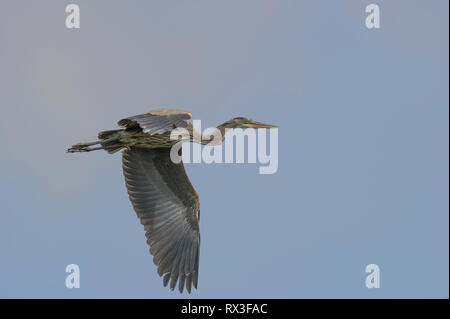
[{"x": 363, "y": 145}]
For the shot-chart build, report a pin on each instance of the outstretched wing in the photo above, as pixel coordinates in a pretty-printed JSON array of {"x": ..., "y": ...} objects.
[
  {"x": 159, "y": 121},
  {"x": 168, "y": 206}
]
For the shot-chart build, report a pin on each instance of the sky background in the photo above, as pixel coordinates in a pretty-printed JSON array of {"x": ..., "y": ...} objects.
[{"x": 363, "y": 145}]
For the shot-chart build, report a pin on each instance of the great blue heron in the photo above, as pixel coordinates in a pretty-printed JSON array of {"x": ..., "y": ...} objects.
[{"x": 162, "y": 195}]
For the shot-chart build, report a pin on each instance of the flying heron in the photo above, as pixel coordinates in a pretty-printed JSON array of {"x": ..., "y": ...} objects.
[{"x": 160, "y": 191}]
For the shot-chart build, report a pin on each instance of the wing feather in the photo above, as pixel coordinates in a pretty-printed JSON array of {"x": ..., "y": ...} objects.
[
  {"x": 167, "y": 205},
  {"x": 158, "y": 121}
]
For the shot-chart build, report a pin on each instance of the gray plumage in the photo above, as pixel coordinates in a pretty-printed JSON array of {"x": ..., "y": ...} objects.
[
  {"x": 168, "y": 207},
  {"x": 159, "y": 121},
  {"x": 160, "y": 191}
]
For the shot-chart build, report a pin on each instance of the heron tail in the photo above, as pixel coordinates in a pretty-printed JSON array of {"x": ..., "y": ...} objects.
[{"x": 108, "y": 141}]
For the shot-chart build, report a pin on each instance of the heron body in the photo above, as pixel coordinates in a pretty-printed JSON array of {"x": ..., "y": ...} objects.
[{"x": 160, "y": 191}]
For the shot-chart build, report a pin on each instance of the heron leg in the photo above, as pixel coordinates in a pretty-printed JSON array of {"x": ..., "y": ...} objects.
[
  {"x": 84, "y": 147},
  {"x": 89, "y": 143}
]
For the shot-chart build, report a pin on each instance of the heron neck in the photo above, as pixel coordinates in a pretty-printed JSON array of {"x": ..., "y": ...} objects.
[{"x": 209, "y": 139}]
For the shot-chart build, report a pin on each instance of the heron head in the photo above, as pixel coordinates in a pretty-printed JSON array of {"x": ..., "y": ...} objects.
[{"x": 243, "y": 122}]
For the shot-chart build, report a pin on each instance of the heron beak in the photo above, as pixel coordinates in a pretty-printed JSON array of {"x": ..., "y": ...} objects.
[{"x": 262, "y": 125}]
